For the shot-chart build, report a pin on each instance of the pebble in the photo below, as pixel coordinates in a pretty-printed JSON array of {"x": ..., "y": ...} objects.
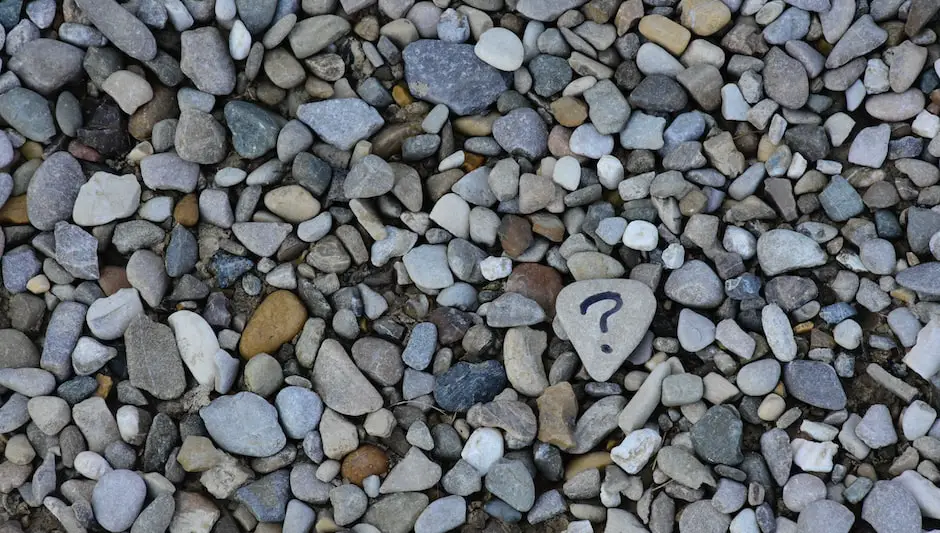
[
  {"x": 341, "y": 122},
  {"x": 245, "y": 424},
  {"x": 118, "y": 498},
  {"x": 452, "y": 74}
]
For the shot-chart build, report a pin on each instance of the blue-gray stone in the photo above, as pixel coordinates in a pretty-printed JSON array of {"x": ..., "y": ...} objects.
[
  {"x": 18, "y": 266},
  {"x": 28, "y": 113},
  {"x": 341, "y": 122},
  {"x": 182, "y": 252},
  {"x": 256, "y": 14},
  {"x": 254, "y": 130},
  {"x": 550, "y": 74},
  {"x": 124, "y": 30},
  {"x": 522, "y": 132},
  {"x": 452, "y": 74},
  {"x": 743, "y": 287},
  {"x": 840, "y": 200},
  {"x": 52, "y": 191},
  {"x": 245, "y": 424},
  {"x": 815, "y": 383},
  {"x": 76, "y": 250},
  {"x": 77, "y": 389},
  {"x": 267, "y": 497},
  {"x": 46, "y": 65},
  {"x": 502, "y": 511},
  {"x": 466, "y": 384},
  {"x": 923, "y": 278},
  {"x": 887, "y": 224},
  {"x": 716, "y": 437},
  {"x": 921, "y": 226},
  {"x": 421, "y": 345},
  {"x": 65, "y": 327},
  {"x": 837, "y": 312},
  {"x": 10, "y": 13},
  {"x": 228, "y": 268}
]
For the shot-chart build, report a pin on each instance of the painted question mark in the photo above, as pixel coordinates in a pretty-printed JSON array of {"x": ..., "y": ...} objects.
[{"x": 599, "y": 297}]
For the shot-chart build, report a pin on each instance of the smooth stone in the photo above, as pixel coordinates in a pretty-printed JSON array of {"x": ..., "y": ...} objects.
[
  {"x": 453, "y": 75},
  {"x": 587, "y": 329},
  {"x": 118, "y": 498},
  {"x": 245, "y": 424}
]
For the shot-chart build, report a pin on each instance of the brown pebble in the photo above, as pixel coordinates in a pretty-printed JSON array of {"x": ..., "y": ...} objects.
[
  {"x": 401, "y": 95},
  {"x": 278, "y": 319},
  {"x": 365, "y": 461},
  {"x": 515, "y": 235},
  {"x": 104, "y": 385},
  {"x": 112, "y": 279},
  {"x": 472, "y": 161},
  {"x": 569, "y": 111},
  {"x": 548, "y": 226},
  {"x": 14, "y": 211},
  {"x": 186, "y": 211},
  {"x": 84, "y": 152},
  {"x": 538, "y": 282},
  {"x": 558, "y": 409}
]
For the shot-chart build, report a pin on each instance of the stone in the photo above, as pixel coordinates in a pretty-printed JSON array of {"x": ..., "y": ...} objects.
[
  {"x": 340, "y": 383},
  {"x": 815, "y": 383},
  {"x": 46, "y": 65},
  {"x": 716, "y": 437},
  {"x": 105, "y": 198},
  {"x": 637, "y": 448},
  {"x": 245, "y": 424},
  {"x": 266, "y": 498},
  {"x": 500, "y": 48},
  {"x": 123, "y": 29},
  {"x": 466, "y": 384},
  {"x": 53, "y": 189},
  {"x": 277, "y": 320},
  {"x": 889, "y": 508},
  {"x": 521, "y": 132},
  {"x": 509, "y": 481},
  {"x": 415, "y": 472},
  {"x": 588, "y": 326},
  {"x": 118, "y": 498},
  {"x": 453, "y": 75},
  {"x": 341, "y": 122},
  {"x": 781, "y": 250},
  {"x": 695, "y": 285},
  {"x": 205, "y": 59}
]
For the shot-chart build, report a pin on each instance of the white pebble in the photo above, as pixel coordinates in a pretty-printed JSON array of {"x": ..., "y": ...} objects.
[
  {"x": 674, "y": 256},
  {"x": 641, "y": 235},
  {"x": 926, "y": 124},
  {"x": 500, "y": 48},
  {"x": 454, "y": 160},
  {"x": 567, "y": 173},
  {"x": 494, "y": 268},
  {"x": 230, "y": 176},
  {"x": 609, "y": 171},
  {"x": 637, "y": 448},
  {"x": 91, "y": 465},
  {"x": 916, "y": 419},
  {"x": 813, "y": 456},
  {"x": 483, "y": 448},
  {"x": 239, "y": 41}
]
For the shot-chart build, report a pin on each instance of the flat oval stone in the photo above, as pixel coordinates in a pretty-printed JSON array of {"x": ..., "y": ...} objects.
[
  {"x": 244, "y": 423},
  {"x": 53, "y": 190},
  {"x": 815, "y": 383},
  {"x": 278, "y": 319}
]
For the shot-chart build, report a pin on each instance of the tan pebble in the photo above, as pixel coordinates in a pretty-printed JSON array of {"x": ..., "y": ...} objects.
[{"x": 665, "y": 33}]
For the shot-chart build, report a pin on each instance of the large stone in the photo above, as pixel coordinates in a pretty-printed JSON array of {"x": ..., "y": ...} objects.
[
  {"x": 53, "y": 189},
  {"x": 341, "y": 385},
  {"x": 46, "y": 65},
  {"x": 341, "y": 122},
  {"x": 153, "y": 360},
  {"x": 123, "y": 29},
  {"x": 605, "y": 320},
  {"x": 244, "y": 423},
  {"x": 452, "y": 74}
]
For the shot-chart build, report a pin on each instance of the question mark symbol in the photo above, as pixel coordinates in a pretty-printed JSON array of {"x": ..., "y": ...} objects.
[{"x": 600, "y": 297}]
